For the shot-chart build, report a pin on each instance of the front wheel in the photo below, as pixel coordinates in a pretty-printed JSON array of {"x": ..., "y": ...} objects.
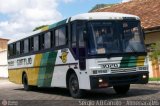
[
  {"x": 121, "y": 89},
  {"x": 74, "y": 87}
]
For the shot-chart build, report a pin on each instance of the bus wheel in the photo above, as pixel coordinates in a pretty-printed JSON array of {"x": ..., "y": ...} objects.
[
  {"x": 25, "y": 83},
  {"x": 121, "y": 89},
  {"x": 74, "y": 87}
]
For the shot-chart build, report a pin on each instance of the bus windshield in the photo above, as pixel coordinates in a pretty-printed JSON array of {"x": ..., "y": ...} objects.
[{"x": 106, "y": 37}]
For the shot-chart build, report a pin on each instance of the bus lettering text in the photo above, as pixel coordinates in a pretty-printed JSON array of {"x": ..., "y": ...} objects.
[
  {"x": 25, "y": 61},
  {"x": 109, "y": 65}
]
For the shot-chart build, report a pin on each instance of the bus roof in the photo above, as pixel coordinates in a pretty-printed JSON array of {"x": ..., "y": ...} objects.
[
  {"x": 84, "y": 16},
  {"x": 102, "y": 16}
]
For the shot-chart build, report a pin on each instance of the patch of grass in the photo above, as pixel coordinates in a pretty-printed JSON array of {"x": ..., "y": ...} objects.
[{"x": 154, "y": 79}]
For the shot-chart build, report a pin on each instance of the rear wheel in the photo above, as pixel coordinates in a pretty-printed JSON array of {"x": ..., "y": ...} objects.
[
  {"x": 121, "y": 89},
  {"x": 74, "y": 87},
  {"x": 25, "y": 83}
]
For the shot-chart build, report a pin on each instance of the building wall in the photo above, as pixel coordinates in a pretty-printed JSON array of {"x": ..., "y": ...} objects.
[
  {"x": 3, "y": 71},
  {"x": 152, "y": 37},
  {"x": 3, "y": 58},
  {"x": 3, "y": 44},
  {"x": 3, "y": 64},
  {"x": 154, "y": 66}
]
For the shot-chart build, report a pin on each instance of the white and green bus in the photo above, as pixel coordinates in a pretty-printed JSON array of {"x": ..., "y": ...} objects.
[{"x": 84, "y": 52}]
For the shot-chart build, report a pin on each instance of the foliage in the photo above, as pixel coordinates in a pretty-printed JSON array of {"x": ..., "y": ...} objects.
[
  {"x": 98, "y": 6},
  {"x": 155, "y": 50}
]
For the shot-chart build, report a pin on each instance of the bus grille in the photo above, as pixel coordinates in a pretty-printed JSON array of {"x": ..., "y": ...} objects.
[{"x": 118, "y": 70}]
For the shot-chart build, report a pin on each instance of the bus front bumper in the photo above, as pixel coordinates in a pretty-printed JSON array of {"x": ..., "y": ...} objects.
[{"x": 108, "y": 80}]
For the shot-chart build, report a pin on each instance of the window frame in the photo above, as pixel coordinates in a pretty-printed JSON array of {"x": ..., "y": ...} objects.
[
  {"x": 14, "y": 49},
  {"x": 22, "y": 47},
  {"x": 10, "y": 53},
  {"x": 52, "y": 38},
  {"x": 41, "y": 41},
  {"x": 31, "y": 44}
]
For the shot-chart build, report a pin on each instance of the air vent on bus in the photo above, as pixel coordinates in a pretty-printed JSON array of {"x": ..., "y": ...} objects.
[{"x": 117, "y": 70}]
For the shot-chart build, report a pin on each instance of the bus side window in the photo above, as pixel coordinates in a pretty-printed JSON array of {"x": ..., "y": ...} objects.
[
  {"x": 80, "y": 31},
  {"x": 56, "y": 37},
  {"x": 31, "y": 44},
  {"x": 10, "y": 50},
  {"x": 14, "y": 49},
  {"x": 74, "y": 38},
  {"x": 36, "y": 43},
  {"x": 18, "y": 48},
  {"x": 61, "y": 36},
  {"x": 26, "y": 46},
  {"x": 47, "y": 40},
  {"x": 41, "y": 42},
  {"x": 73, "y": 35},
  {"x": 22, "y": 47}
]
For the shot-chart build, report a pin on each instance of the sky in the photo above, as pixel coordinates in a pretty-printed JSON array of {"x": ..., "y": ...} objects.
[{"x": 19, "y": 17}]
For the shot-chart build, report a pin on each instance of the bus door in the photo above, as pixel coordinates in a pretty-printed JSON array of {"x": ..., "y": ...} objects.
[{"x": 78, "y": 42}]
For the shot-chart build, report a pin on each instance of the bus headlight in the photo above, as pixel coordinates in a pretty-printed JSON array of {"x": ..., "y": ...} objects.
[
  {"x": 102, "y": 83},
  {"x": 100, "y": 80},
  {"x": 144, "y": 76}
]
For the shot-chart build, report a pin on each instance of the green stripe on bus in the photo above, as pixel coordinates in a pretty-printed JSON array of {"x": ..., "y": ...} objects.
[
  {"x": 50, "y": 68},
  {"x": 129, "y": 61},
  {"x": 124, "y": 62},
  {"x": 132, "y": 61},
  {"x": 58, "y": 24},
  {"x": 45, "y": 73},
  {"x": 42, "y": 70}
]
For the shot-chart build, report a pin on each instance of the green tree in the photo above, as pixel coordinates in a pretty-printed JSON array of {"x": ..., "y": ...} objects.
[
  {"x": 155, "y": 50},
  {"x": 154, "y": 55},
  {"x": 98, "y": 6}
]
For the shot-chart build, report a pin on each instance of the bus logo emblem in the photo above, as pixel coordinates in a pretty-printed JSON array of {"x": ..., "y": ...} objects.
[
  {"x": 109, "y": 65},
  {"x": 64, "y": 57}
]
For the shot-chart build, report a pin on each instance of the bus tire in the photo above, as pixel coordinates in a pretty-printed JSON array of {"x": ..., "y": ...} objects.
[
  {"x": 74, "y": 87},
  {"x": 25, "y": 83},
  {"x": 121, "y": 89}
]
